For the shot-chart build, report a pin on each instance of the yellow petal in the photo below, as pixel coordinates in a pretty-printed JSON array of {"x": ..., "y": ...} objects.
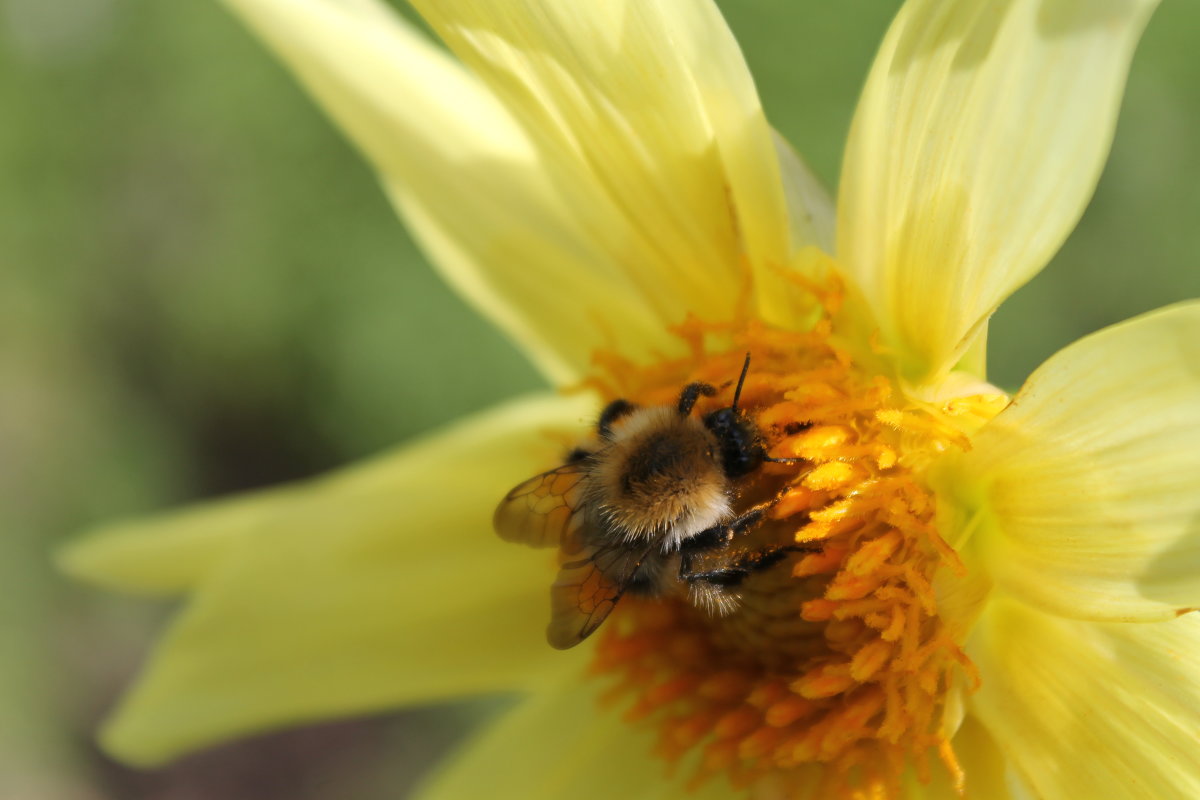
[
  {"x": 976, "y": 145},
  {"x": 764, "y": 211},
  {"x": 810, "y": 208},
  {"x": 1092, "y": 710},
  {"x": 986, "y": 771},
  {"x": 378, "y": 587},
  {"x": 561, "y": 744},
  {"x": 482, "y": 203},
  {"x": 169, "y": 553},
  {"x": 650, "y": 117},
  {"x": 1091, "y": 477}
]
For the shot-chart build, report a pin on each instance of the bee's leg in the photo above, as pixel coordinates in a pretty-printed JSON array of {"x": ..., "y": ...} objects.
[
  {"x": 611, "y": 413},
  {"x": 791, "y": 430},
  {"x": 578, "y": 455},
  {"x": 714, "y": 538},
  {"x": 726, "y": 577},
  {"x": 721, "y": 535},
  {"x": 732, "y": 574},
  {"x": 691, "y": 393}
]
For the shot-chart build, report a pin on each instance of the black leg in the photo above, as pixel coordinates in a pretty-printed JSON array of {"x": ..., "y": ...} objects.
[
  {"x": 611, "y": 413},
  {"x": 711, "y": 539},
  {"x": 721, "y": 535},
  {"x": 691, "y": 393},
  {"x": 578, "y": 454},
  {"x": 715, "y": 538},
  {"x": 733, "y": 572}
]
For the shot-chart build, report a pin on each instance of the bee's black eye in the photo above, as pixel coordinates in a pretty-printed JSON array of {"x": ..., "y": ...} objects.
[{"x": 741, "y": 452}]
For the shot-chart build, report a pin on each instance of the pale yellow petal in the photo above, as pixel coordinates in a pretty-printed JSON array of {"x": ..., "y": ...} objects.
[
  {"x": 811, "y": 210},
  {"x": 1089, "y": 483},
  {"x": 561, "y": 744},
  {"x": 472, "y": 177},
  {"x": 985, "y": 769},
  {"x": 650, "y": 117},
  {"x": 169, "y": 553},
  {"x": 1089, "y": 709},
  {"x": 558, "y": 306},
  {"x": 764, "y": 212},
  {"x": 974, "y": 359},
  {"x": 977, "y": 143},
  {"x": 381, "y": 586}
]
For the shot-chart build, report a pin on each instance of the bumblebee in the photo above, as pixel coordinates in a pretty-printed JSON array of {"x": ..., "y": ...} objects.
[{"x": 646, "y": 508}]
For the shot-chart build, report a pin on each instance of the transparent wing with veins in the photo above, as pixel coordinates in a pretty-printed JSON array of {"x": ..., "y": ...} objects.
[
  {"x": 588, "y": 589},
  {"x": 544, "y": 511},
  {"x": 548, "y": 510}
]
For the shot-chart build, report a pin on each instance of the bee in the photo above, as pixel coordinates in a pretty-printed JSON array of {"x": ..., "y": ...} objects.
[{"x": 647, "y": 509}]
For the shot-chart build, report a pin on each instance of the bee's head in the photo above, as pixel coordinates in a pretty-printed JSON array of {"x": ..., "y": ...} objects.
[{"x": 740, "y": 450}]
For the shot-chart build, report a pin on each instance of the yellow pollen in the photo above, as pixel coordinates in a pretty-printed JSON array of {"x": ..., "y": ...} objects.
[{"x": 832, "y": 672}]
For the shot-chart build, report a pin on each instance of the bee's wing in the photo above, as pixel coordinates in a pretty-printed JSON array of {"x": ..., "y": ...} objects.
[
  {"x": 545, "y": 510},
  {"x": 587, "y": 590}
]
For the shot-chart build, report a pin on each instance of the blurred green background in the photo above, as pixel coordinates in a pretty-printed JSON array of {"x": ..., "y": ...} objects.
[{"x": 203, "y": 290}]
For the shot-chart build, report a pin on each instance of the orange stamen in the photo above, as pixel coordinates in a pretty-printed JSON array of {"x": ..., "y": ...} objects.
[{"x": 839, "y": 657}]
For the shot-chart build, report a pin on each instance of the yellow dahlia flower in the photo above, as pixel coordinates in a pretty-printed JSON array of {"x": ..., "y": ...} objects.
[{"x": 994, "y": 594}]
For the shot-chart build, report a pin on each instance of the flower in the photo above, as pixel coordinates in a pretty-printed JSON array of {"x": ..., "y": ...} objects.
[{"x": 999, "y": 599}]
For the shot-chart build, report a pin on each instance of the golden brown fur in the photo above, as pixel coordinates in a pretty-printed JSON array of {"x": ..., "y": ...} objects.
[{"x": 659, "y": 478}]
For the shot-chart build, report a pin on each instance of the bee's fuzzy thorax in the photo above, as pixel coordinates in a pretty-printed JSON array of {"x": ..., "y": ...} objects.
[{"x": 660, "y": 475}]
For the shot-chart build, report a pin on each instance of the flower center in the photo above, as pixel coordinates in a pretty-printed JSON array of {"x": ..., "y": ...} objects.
[{"x": 834, "y": 670}]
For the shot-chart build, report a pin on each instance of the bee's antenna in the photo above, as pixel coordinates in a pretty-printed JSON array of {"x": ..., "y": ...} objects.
[{"x": 737, "y": 393}]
